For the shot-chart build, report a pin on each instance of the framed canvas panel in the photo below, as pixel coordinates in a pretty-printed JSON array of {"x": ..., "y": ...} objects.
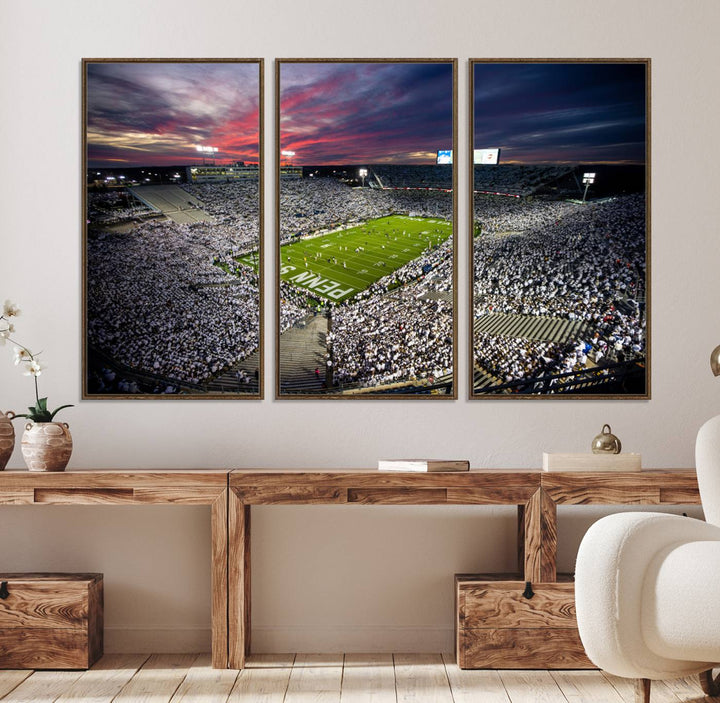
[
  {"x": 172, "y": 255},
  {"x": 366, "y": 233},
  {"x": 560, "y": 234}
]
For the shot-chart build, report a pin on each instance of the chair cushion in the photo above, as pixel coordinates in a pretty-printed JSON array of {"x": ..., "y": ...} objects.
[
  {"x": 707, "y": 459},
  {"x": 681, "y": 602},
  {"x": 612, "y": 564}
]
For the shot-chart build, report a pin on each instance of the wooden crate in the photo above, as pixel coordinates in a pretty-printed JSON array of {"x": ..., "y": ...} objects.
[
  {"x": 497, "y": 627},
  {"x": 50, "y": 621}
]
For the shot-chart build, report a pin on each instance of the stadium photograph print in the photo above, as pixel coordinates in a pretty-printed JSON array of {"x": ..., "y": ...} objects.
[
  {"x": 560, "y": 234},
  {"x": 366, "y": 228},
  {"x": 172, "y": 186}
]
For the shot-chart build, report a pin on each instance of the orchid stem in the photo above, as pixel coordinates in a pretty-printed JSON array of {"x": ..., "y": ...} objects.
[
  {"x": 31, "y": 356},
  {"x": 22, "y": 346}
]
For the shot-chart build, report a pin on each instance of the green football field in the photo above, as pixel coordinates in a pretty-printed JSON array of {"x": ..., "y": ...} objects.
[{"x": 338, "y": 265}]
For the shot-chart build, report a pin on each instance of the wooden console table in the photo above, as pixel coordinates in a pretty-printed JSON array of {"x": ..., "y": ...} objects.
[
  {"x": 201, "y": 487},
  {"x": 537, "y": 495},
  {"x": 231, "y": 495}
]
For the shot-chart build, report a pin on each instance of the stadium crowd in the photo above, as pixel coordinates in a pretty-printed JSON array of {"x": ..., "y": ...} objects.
[
  {"x": 516, "y": 179},
  {"x": 561, "y": 260},
  {"x": 382, "y": 338},
  {"x": 159, "y": 304},
  {"x": 113, "y": 207},
  {"x": 171, "y": 301},
  {"x": 412, "y": 176},
  {"x": 234, "y": 207},
  {"x": 295, "y": 306},
  {"x": 514, "y": 359}
]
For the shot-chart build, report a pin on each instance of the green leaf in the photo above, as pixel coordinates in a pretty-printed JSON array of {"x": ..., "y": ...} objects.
[
  {"x": 40, "y": 413},
  {"x": 57, "y": 410}
]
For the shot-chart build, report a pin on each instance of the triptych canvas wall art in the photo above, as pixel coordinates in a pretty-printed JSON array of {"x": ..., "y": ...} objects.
[
  {"x": 559, "y": 228},
  {"x": 365, "y": 231},
  {"x": 366, "y": 234},
  {"x": 173, "y": 210}
]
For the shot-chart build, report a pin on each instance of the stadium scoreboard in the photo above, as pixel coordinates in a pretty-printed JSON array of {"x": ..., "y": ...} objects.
[
  {"x": 486, "y": 157},
  {"x": 482, "y": 157}
]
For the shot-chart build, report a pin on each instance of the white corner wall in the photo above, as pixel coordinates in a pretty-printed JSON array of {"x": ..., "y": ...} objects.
[{"x": 326, "y": 577}]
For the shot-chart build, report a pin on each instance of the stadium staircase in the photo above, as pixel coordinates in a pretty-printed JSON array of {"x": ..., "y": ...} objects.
[
  {"x": 447, "y": 296},
  {"x": 173, "y": 202},
  {"x": 302, "y": 350},
  {"x": 483, "y": 379},
  {"x": 536, "y": 327},
  {"x": 227, "y": 382}
]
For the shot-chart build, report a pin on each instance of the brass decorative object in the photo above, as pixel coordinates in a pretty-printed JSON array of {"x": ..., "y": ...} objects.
[
  {"x": 715, "y": 360},
  {"x": 606, "y": 442}
]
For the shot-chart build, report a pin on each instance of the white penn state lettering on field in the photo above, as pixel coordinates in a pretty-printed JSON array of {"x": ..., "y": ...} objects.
[{"x": 324, "y": 286}]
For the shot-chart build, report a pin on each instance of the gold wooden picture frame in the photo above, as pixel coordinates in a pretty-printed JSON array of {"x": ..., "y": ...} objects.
[
  {"x": 172, "y": 189},
  {"x": 559, "y": 228},
  {"x": 366, "y": 228}
]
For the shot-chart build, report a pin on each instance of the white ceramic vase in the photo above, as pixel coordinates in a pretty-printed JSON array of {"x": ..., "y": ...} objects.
[
  {"x": 46, "y": 446},
  {"x": 7, "y": 437}
]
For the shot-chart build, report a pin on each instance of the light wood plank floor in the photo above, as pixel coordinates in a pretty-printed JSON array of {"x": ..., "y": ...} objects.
[{"x": 323, "y": 678}]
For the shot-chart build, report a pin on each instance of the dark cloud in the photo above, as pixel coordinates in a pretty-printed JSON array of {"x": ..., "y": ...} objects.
[
  {"x": 550, "y": 112},
  {"x": 148, "y": 113},
  {"x": 366, "y": 112}
]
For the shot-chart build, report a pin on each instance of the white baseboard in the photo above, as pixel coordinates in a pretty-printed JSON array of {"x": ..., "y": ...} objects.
[
  {"x": 149, "y": 640},
  {"x": 274, "y": 640},
  {"x": 352, "y": 638}
]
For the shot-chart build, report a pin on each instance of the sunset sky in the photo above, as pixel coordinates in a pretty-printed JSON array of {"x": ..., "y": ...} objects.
[
  {"x": 356, "y": 113},
  {"x": 153, "y": 114},
  {"x": 561, "y": 112}
]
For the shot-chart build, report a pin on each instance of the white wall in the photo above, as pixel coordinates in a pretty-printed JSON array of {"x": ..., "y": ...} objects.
[{"x": 367, "y": 577}]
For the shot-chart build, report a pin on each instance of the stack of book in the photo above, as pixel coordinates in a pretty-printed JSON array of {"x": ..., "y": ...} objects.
[{"x": 422, "y": 465}]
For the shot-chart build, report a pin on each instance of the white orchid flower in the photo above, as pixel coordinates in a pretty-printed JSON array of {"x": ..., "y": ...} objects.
[
  {"x": 22, "y": 355},
  {"x": 33, "y": 368},
  {"x": 6, "y": 329},
  {"x": 10, "y": 309}
]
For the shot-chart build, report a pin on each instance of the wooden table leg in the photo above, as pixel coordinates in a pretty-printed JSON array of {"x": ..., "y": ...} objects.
[
  {"x": 710, "y": 686},
  {"x": 238, "y": 582},
  {"x": 537, "y": 538},
  {"x": 642, "y": 690},
  {"x": 219, "y": 614}
]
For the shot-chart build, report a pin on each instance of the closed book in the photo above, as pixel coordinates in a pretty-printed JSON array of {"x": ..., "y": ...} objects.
[
  {"x": 591, "y": 462},
  {"x": 421, "y": 465}
]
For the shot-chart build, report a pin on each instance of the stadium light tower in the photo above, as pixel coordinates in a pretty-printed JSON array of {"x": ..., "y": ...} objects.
[
  {"x": 209, "y": 152},
  {"x": 588, "y": 180},
  {"x": 288, "y": 156},
  {"x": 363, "y": 172}
]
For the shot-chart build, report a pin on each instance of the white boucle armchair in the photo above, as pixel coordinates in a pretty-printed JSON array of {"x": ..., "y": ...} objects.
[{"x": 647, "y": 586}]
